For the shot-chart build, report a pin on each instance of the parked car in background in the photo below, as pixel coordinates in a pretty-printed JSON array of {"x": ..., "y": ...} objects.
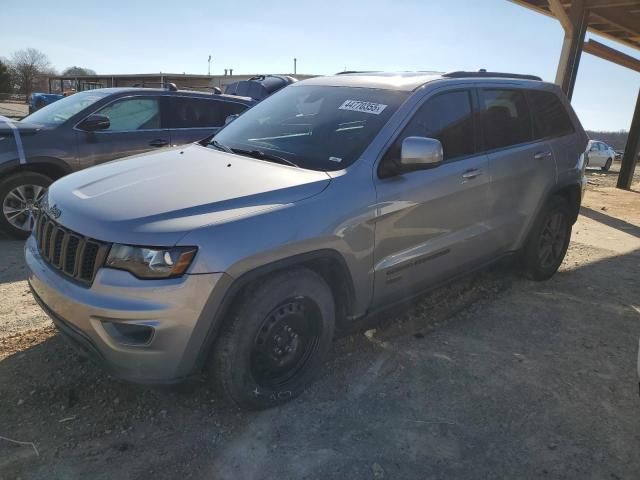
[
  {"x": 93, "y": 127},
  {"x": 619, "y": 155},
  {"x": 599, "y": 154},
  {"x": 40, "y": 100},
  {"x": 330, "y": 200},
  {"x": 259, "y": 87}
]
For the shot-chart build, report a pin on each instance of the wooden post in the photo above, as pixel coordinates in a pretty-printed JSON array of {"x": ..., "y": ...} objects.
[
  {"x": 569, "y": 62},
  {"x": 630, "y": 151}
]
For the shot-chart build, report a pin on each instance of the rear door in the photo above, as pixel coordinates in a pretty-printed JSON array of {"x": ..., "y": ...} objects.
[
  {"x": 136, "y": 126},
  {"x": 193, "y": 118},
  {"x": 432, "y": 223},
  {"x": 522, "y": 166}
]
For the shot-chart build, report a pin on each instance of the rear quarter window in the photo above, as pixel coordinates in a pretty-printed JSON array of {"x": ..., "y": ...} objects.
[{"x": 550, "y": 116}]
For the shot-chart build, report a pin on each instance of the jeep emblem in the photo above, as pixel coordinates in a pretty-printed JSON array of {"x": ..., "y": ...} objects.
[{"x": 54, "y": 212}]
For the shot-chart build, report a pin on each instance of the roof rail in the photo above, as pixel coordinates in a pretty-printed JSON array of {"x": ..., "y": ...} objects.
[
  {"x": 347, "y": 72},
  {"x": 484, "y": 74}
]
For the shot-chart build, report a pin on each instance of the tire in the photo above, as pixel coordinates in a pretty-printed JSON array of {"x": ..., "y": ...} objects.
[
  {"x": 607, "y": 165},
  {"x": 32, "y": 185},
  {"x": 548, "y": 240},
  {"x": 274, "y": 343}
]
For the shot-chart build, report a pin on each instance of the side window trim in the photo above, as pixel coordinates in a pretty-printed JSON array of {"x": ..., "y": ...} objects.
[
  {"x": 125, "y": 97},
  {"x": 482, "y": 111},
  {"x": 474, "y": 110}
]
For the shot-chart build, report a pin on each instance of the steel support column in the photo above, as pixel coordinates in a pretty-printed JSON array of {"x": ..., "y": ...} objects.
[
  {"x": 574, "y": 34},
  {"x": 630, "y": 151}
]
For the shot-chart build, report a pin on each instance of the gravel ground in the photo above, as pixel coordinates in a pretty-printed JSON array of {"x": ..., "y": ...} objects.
[
  {"x": 15, "y": 110},
  {"x": 491, "y": 377}
]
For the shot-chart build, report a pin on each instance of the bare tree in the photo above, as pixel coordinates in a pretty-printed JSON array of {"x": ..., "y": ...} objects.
[
  {"x": 27, "y": 66},
  {"x": 79, "y": 71},
  {"x": 6, "y": 82}
]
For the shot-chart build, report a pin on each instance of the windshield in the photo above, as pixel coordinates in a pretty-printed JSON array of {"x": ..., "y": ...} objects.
[
  {"x": 65, "y": 108},
  {"x": 314, "y": 127}
]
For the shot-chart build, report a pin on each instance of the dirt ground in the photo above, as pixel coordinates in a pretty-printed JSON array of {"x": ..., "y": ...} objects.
[
  {"x": 13, "y": 109},
  {"x": 491, "y": 377}
]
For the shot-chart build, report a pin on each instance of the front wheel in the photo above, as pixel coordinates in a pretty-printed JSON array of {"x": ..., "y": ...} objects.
[
  {"x": 276, "y": 340},
  {"x": 20, "y": 195},
  {"x": 607, "y": 165},
  {"x": 548, "y": 240}
]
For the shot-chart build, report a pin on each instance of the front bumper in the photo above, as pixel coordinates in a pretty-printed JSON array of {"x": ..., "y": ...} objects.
[{"x": 178, "y": 311}]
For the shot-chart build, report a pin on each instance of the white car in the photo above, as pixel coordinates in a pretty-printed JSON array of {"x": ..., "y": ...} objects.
[{"x": 599, "y": 154}]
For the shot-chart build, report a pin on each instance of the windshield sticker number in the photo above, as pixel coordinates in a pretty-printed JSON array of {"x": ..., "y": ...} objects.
[{"x": 361, "y": 106}]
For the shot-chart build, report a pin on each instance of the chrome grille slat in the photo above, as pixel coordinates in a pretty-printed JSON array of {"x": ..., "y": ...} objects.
[{"x": 70, "y": 253}]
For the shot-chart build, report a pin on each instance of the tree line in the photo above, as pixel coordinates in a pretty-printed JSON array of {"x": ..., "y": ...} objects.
[
  {"x": 27, "y": 71},
  {"x": 617, "y": 140}
]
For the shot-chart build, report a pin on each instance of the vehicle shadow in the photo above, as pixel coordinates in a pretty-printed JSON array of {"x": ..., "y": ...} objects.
[
  {"x": 610, "y": 221},
  {"x": 456, "y": 374},
  {"x": 12, "y": 266}
]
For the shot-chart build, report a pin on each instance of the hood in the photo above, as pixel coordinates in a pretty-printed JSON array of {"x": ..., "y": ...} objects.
[
  {"x": 25, "y": 128},
  {"x": 155, "y": 199}
]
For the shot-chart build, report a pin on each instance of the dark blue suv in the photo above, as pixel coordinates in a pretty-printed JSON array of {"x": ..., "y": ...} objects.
[{"x": 92, "y": 127}]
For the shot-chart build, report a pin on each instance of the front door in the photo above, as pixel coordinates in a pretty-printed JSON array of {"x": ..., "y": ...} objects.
[
  {"x": 136, "y": 126},
  {"x": 431, "y": 224}
]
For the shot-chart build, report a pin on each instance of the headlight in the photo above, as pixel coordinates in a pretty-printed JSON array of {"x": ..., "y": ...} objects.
[{"x": 151, "y": 262}]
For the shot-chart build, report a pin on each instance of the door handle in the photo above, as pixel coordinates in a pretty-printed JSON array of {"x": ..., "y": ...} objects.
[
  {"x": 159, "y": 142},
  {"x": 541, "y": 155},
  {"x": 473, "y": 173}
]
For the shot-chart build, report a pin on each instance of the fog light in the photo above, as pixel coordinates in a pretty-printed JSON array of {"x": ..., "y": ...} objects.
[{"x": 129, "y": 333}]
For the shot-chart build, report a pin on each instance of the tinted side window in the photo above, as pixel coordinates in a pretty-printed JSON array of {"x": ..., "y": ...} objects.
[
  {"x": 505, "y": 118},
  {"x": 201, "y": 112},
  {"x": 132, "y": 114},
  {"x": 551, "y": 118},
  {"x": 447, "y": 117}
]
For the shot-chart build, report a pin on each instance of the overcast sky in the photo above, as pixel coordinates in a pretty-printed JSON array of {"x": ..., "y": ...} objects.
[{"x": 325, "y": 35}]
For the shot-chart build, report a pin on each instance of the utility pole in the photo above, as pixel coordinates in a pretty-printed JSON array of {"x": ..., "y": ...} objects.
[
  {"x": 209, "y": 66},
  {"x": 295, "y": 61}
]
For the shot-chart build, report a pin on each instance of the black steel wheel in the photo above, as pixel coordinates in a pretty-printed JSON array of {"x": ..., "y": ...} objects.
[
  {"x": 607, "y": 165},
  {"x": 548, "y": 240},
  {"x": 275, "y": 339},
  {"x": 288, "y": 338}
]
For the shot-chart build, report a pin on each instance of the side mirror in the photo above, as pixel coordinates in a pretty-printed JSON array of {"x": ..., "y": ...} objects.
[
  {"x": 230, "y": 119},
  {"x": 94, "y": 122},
  {"x": 420, "y": 152}
]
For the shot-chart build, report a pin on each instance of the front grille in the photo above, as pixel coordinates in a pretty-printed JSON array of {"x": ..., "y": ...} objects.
[{"x": 70, "y": 253}]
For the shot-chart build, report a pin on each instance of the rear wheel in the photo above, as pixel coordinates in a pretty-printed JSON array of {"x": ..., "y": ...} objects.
[
  {"x": 607, "y": 165},
  {"x": 274, "y": 344},
  {"x": 548, "y": 240},
  {"x": 20, "y": 195}
]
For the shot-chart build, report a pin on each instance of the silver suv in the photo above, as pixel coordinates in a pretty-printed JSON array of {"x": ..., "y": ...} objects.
[{"x": 331, "y": 200}]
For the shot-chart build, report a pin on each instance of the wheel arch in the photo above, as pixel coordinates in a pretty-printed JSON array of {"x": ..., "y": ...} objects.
[
  {"x": 327, "y": 263},
  {"x": 572, "y": 193},
  {"x": 52, "y": 167}
]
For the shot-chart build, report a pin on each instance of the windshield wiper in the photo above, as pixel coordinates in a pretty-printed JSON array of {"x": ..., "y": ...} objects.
[
  {"x": 220, "y": 146},
  {"x": 260, "y": 155}
]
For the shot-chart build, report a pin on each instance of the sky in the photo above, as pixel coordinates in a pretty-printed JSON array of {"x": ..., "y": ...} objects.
[{"x": 326, "y": 36}]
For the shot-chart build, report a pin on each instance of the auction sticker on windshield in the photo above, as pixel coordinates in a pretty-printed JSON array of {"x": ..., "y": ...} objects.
[{"x": 361, "y": 106}]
